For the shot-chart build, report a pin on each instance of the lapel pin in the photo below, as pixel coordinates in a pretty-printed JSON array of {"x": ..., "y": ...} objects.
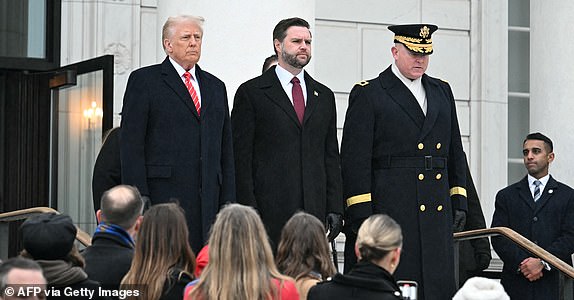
[
  {"x": 315, "y": 93},
  {"x": 550, "y": 191}
]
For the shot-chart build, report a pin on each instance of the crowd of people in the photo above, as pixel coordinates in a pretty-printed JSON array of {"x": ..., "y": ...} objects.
[
  {"x": 260, "y": 192},
  {"x": 240, "y": 263}
]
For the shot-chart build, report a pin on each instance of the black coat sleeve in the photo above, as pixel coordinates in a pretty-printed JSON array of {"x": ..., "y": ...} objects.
[
  {"x": 357, "y": 154},
  {"x": 243, "y": 128}
]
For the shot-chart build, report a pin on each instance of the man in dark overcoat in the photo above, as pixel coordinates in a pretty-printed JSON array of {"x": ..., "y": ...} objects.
[
  {"x": 542, "y": 210},
  {"x": 474, "y": 255},
  {"x": 109, "y": 258},
  {"x": 287, "y": 156},
  {"x": 107, "y": 168},
  {"x": 176, "y": 138},
  {"x": 402, "y": 155}
]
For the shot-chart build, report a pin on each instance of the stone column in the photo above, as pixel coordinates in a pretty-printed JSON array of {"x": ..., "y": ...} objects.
[
  {"x": 489, "y": 101},
  {"x": 551, "y": 81}
]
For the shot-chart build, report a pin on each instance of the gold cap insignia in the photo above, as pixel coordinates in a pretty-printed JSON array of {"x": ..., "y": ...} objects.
[
  {"x": 416, "y": 37},
  {"x": 425, "y": 31}
]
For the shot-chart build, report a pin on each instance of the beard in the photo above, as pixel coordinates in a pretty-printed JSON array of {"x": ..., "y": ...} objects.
[{"x": 292, "y": 60}]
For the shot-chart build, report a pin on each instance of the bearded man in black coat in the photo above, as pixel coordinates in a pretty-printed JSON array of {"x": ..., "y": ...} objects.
[{"x": 285, "y": 138}]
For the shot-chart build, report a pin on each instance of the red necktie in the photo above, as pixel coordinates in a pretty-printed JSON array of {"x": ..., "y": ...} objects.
[
  {"x": 192, "y": 92},
  {"x": 298, "y": 100}
]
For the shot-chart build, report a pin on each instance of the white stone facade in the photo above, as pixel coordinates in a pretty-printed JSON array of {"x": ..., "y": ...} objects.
[{"x": 351, "y": 43}]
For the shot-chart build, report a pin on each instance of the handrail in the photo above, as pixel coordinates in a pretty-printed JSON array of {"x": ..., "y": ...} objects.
[
  {"x": 520, "y": 241},
  {"x": 21, "y": 214}
]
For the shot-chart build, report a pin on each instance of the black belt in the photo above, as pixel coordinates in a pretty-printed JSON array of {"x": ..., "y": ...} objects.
[{"x": 421, "y": 162}]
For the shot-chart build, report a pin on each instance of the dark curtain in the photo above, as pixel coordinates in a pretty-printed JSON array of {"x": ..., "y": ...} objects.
[{"x": 25, "y": 149}]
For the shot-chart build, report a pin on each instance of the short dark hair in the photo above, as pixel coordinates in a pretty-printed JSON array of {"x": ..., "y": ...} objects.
[
  {"x": 15, "y": 263},
  {"x": 268, "y": 62},
  {"x": 122, "y": 212},
  {"x": 540, "y": 137},
  {"x": 280, "y": 30}
]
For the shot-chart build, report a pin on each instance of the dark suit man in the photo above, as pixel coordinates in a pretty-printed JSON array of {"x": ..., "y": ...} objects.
[
  {"x": 474, "y": 254},
  {"x": 542, "y": 210},
  {"x": 107, "y": 169},
  {"x": 109, "y": 257},
  {"x": 402, "y": 155},
  {"x": 176, "y": 133},
  {"x": 286, "y": 151}
]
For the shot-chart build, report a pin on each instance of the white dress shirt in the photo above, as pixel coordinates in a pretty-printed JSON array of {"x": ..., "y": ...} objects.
[
  {"x": 285, "y": 79},
  {"x": 180, "y": 70},
  {"x": 543, "y": 181},
  {"x": 415, "y": 86}
]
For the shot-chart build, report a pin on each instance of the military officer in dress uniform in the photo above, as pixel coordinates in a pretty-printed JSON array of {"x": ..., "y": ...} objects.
[{"x": 402, "y": 155}]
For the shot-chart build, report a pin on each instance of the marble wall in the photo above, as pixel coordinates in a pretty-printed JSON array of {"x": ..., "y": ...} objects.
[{"x": 350, "y": 42}]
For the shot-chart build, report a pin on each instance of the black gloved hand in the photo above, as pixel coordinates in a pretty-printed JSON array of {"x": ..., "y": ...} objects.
[
  {"x": 147, "y": 203},
  {"x": 334, "y": 225},
  {"x": 459, "y": 220},
  {"x": 482, "y": 261}
]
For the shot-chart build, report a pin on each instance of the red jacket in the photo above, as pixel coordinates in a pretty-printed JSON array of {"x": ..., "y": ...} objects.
[{"x": 288, "y": 291}]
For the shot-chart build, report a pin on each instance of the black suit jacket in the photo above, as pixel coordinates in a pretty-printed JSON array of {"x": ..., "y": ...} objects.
[
  {"x": 477, "y": 251},
  {"x": 281, "y": 165},
  {"x": 107, "y": 169},
  {"x": 548, "y": 222},
  {"x": 365, "y": 281},
  {"x": 170, "y": 152},
  {"x": 108, "y": 259}
]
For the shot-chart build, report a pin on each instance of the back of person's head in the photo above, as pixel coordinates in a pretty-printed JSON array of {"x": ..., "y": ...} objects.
[
  {"x": 21, "y": 271},
  {"x": 241, "y": 264},
  {"x": 162, "y": 247},
  {"x": 303, "y": 247},
  {"x": 280, "y": 30},
  {"x": 479, "y": 288},
  {"x": 48, "y": 236},
  {"x": 121, "y": 205},
  {"x": 378, "y": 235},
  {"x": 541, "y": 137},
  {"x": 269, "y": 62}
]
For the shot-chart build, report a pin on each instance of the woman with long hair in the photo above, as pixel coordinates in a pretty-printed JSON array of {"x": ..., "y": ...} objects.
[
  {"x": 163, "y": 261},
  {"x": 378, "y": 248},
  {"x": 241, "y": 264},
  {"x": 303, "y": 252}
]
